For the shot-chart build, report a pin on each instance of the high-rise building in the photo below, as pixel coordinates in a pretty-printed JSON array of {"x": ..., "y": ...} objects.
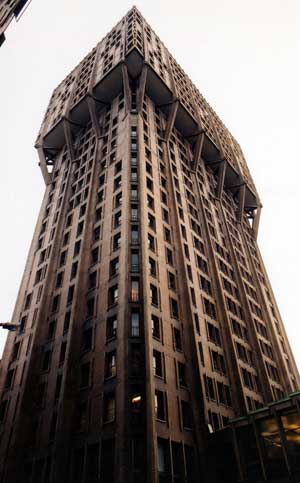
[
  {"x": 146, "y": 317},
  {"x": 9, "y": 9}
]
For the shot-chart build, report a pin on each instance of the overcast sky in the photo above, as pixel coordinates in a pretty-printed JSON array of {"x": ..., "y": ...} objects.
[{"x": 242, "y": 55}]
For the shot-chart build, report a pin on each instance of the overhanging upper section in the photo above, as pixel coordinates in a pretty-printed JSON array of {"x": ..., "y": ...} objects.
[{"x": 99, "y": 76}]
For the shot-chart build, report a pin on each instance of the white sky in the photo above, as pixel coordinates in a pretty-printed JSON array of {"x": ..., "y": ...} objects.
[{"x": 242, "y": 55}]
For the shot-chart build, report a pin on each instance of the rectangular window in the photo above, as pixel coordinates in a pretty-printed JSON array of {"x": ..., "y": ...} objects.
[
  {"x": 134, "y": 295},
  {"x": 181, "y": 374},
  {"x": 155, "y": 323},
  {"x": 111, "y": 327},
  {"x": 157, "y": 363},
  {"x": 187, "y": 417},
  {"x": 154, "y": 295},
  {"x": 46, "y": 360},
  {"x": 159, "y": 405},
  {"x": 109, "y": 407},
  {"x": 113, "y": 295},
  {"x": 135, "y": 324},
  {"x": 110, "y": 364}
]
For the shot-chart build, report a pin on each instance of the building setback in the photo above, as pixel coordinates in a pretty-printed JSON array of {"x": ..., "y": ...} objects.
[
  {"x": 147, "y": 319},
  {"x": 8, "y": 10}
]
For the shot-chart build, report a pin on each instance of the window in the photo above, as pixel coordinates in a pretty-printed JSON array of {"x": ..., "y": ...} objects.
[
  {"x": 169, "y": 256},
  {"x": 224, "y": 394},
  {"x": 167, "y": 235},
  {"x": 117, "y": 241},
  {"x": 9, "y": 378},
  {"x": 113, "y": 295},
  {"x": 110, "y": 364},
  {"x": 109, "y": 407},
  {"x": 172, "y": 282},
  {"x": 210, "y": 388},
  {"x": 51, "y": 330},
  {"x": 87, "y": 339},
  {"x": 117, "y": 219},
  {"x": 134, "y": 290},
  {"x": 134, "y": 261},
  {"x": 15, "y": 351},
  {"x": 111, "y": 327},
  {"x": 159, "y": 405},
  {"x": 134, "y": 193},
  {"x": 94, "y": 255},
  {"x": 70, "y": 294},
  {"x": 209, "y": 308},
  {"x": 157, "y": 363},
  {"x": 55, "y": 303},
  {"x": 151, "y": 242},
  {"x": 46, "y": 360},
  {"x": 150, "y": 202},
  {"x": 152, "y": 267},
  {"x": 118, "y": 183},
  {"x": 218, "y": 362},
  {"x": 155, "y": 323},
  {"x": 114, "y": 267},
  {"x": 80, "y": 228},
  {"x": 174, "y": 308},
  {"x": 213, "y": 334},
  {"x": 154, "y": 295},
  {"x": 135, "y": 324},
  {"x": 151, "y": 222},
  {"x": 76, "y": 248},
  {"x": 3, "y": 409},
  {"x": 134, "y": 235},
  {"x": 96, "y": 233},
  {"x": 177, "y": 339},
  {"x": 28, "y": 301},
  {"x": 67, "y": 321},
  {"x": 187, "y": 418},
  {"x": 90, "y": 307},
  {"x": 181, "y": 374},
  {"x": 84, "y": 375},
  {"x": 63, "y": 257},
  {"x": 62, "y": 354},
  {"x": 41, "y": 393},
  {"x": 134, "y": 213}
]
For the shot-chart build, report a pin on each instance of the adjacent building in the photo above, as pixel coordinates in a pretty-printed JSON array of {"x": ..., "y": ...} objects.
[
  {"x": 146, "y": 317},
  {"x": 10, "y": 9}
]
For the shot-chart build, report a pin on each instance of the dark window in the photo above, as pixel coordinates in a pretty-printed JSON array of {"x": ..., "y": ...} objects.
[
  {"x": 174, "y": 308},
  {"x": 113, "y": 295},
  {"x": 134, "y": 235},
  {"x": 87, "y": 339},
  {"x": 213, "y": 334},
  {"x": 77, "y": 248},
  {"x": 134, "y": 295},
  {"x": 210, "y": 388},
  {"x": 159, "y": 405},
  {"x": 151, "y": 242},
  {"x": 111, "y": 327},
  {"x": 117, "y": 241},
  {"x": 110, "y": 364},
  {"x": 154, "y": 295},
  {"x": 74, "y": 270},
  {"x": 155, "y": 322},
  {"x": 109, "y": 407},
  {"x": 114, "y": 267},
  {"x": 70, "y": 294},
  {"x": 135, "y": 324},
  {"x": 90, "y": 307},
  {"x": 218, "y": 362},
  {"x": 177, "y": 339},
  {"x": 9, "y": 379},
  {"x": 187, "y": 418},
  {"x": 55, "y": 303},
  {"x": 46, "y": 360},
  {"x": 67, "y": 321},
  {"x": 92, "y": 280},
  {"x": 181, "y": 374},
  {"x": 157, "y": 363},
  {"x": 51, "y": 330},
  {"x": 94, "y": 255},
  {"x": 169, "y": 256}
]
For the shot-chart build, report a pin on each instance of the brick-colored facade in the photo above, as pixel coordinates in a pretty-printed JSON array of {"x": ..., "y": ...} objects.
[{"x": 147, "y": 317}]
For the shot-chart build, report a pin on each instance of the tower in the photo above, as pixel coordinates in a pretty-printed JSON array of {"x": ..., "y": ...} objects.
[{"x": 146, "y": 318}]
